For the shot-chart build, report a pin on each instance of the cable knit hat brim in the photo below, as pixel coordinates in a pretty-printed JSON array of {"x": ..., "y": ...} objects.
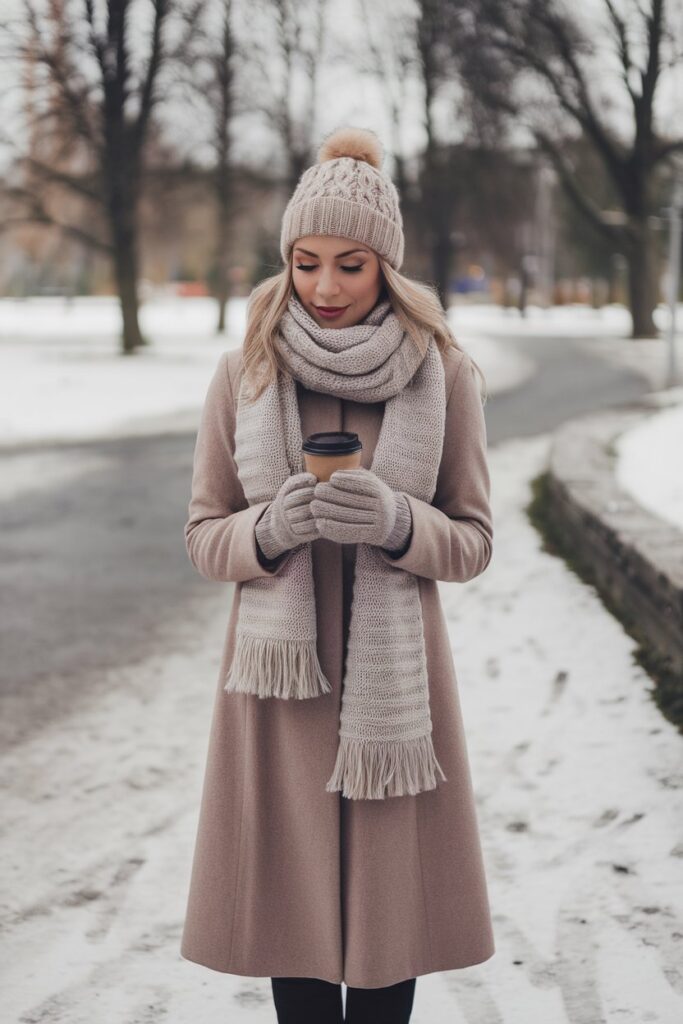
[
  {"x": 328, "y": 215},
  {"x": 346, "y": 195}
]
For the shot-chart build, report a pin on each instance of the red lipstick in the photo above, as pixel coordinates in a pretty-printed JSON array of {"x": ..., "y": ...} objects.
[{"x": 331, "y": 312}]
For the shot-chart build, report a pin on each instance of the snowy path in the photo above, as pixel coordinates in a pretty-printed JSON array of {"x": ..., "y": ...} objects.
[{"x": 578, "y": 781}]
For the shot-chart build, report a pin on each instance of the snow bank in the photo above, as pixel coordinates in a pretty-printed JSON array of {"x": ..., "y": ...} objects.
[
  {"x": 650, "y": 464},
  {"x": 63, "y": 377}
]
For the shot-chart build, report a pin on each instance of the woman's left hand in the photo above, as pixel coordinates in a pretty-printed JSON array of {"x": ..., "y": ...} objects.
[{"x": 355, "y": 507}]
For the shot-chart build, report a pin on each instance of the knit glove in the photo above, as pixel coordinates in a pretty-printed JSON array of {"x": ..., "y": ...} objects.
[
  {"x": 355, "y": 506},
  {"x": 287, "y": 520}
]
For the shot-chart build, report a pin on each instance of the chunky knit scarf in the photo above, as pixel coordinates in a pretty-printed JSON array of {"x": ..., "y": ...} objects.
[{"x": 385, "y": 746}]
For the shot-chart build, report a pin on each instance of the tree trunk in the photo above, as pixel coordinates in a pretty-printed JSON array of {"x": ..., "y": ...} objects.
[
  {"x": 439, "y": 194},
  {"x": 122, "y": 211},
  {"x": 222, "y": 307},
  {"x": 125, "y": 267},
  {"x": 643, "y": 284},
  {"x": 222, "y": 296},
  {"x": 441, "y": 265},
  {"x": 523, "y": 287},
  {"x": 221, "y": 261}
]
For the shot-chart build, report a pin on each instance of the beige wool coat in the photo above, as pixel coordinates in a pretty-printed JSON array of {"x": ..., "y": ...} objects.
[{"x": 288, "y": 879}]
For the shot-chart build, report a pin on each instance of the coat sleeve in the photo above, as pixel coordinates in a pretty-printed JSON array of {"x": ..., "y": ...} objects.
[
  {"x": 452, "y": 537},
  {"x": 219, "y": 533}
]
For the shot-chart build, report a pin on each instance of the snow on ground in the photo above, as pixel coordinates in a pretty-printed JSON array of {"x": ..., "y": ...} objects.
[
  {"x": 655, "y": 482},
  {"x": 579, "y": 789},
  {"x": 62, "y": 378},
  {"x": 577, "y": 775},
  {"x": 569, "y": 321},
  {"x": 649, "y": 464},
  {"x": 602, "y": 332},
  {"x": 503, "y": 366}
]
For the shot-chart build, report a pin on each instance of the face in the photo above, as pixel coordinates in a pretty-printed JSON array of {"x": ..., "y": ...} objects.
[{"x": 335, "y": 273}]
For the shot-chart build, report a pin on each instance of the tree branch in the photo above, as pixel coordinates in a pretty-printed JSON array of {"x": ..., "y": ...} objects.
[
  {"x": 67, "y": 229},
  {"x": 63, "y": 74},
  {"x": 649, "y": 78},
  {"x": 583, "y": 202},
  {"x": 586, "y": 114},
  {"x": 147, "y": 97},
  {"x": 619, "y": 26},
  {"x": 64, "y": 178},
  {"x": 663, "y": 149}
]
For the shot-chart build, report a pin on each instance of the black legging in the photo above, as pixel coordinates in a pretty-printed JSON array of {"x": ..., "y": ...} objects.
[{"x": 313, "y": 1001}]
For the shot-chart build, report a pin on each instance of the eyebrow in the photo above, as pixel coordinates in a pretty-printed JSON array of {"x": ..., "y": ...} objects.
[{"x": 337, "y": 257}]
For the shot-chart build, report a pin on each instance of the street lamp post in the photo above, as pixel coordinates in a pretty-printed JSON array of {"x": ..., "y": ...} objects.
[{"x": 545, "y": 234}]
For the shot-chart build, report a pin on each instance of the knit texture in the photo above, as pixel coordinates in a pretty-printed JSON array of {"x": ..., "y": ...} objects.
[
  {"x": 272, "y": 544},
  {"x": 369, "y": 362},
  {"x": 402, "y": 527},
  {"x": 354, "y": 507},
  {"x": 288, "y": 520},
  {"x": 385, "y": 746},
  {"x": 348, "y": 197}
]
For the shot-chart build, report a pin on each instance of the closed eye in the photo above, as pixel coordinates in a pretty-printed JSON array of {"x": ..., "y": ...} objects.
[{"x": 349, "y": 270}]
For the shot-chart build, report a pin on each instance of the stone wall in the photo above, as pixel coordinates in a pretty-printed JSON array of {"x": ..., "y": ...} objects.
[{"x": 635, "y": 558}]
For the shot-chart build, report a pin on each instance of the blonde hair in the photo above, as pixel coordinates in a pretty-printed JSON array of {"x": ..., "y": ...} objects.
[{"x": 417, "y": 306}]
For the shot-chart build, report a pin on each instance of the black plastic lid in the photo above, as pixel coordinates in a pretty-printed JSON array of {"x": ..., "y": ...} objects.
[{"x": 335, "y": 442}]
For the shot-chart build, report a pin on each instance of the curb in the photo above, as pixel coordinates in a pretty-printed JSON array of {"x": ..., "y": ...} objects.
[{"x": 634, "y": 558}]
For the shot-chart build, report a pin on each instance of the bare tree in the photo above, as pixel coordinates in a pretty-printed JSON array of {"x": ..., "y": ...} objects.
[
  {"x": 411, "y": 48},
  {"x": 282, "y": 57},
  {"x": 209, "y": 74},
  {"x": 392, "y": 60},
  {"x": 91, "y": 108},
  {"x": 593, "y": 84},
  {"x": 438, "y": 183},
  {"x": 223, "y": 89}
]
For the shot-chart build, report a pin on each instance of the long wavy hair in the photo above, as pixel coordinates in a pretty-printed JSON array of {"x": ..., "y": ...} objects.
[{"x": 417, "y": 306}]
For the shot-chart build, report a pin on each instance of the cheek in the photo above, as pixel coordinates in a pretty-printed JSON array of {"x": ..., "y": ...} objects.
[
  {"x": 357, "y": 284},
  {"x": 367, "y": 288},
  {"x": 302, "y": 282}
]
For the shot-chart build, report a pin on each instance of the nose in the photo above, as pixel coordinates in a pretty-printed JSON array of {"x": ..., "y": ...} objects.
[{"x": 328, "y": 287}]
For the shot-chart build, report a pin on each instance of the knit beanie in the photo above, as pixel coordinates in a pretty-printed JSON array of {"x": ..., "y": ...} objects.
[{"x": 346, "y": 194}]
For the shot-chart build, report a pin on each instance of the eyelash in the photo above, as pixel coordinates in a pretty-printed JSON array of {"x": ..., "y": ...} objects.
[{"x": 349, "y": 270}]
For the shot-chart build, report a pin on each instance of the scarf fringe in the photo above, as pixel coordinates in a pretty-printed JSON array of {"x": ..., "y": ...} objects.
[
  {"x": 367, "y": 770},
  {"x": 267, "y": 667}
]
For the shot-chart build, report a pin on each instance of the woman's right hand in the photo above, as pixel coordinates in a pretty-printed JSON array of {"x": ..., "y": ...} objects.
[{"x": 288, "y": 521}]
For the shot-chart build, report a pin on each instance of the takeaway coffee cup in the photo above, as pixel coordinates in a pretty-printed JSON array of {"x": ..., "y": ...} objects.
[{"x": 336, "y": 449}]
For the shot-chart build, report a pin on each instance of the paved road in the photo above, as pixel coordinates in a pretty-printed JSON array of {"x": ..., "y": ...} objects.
[
  {"x": 569, "y": 383},
  {"x": 93, "y": 571},
  {"x": 93, "y": 568}
]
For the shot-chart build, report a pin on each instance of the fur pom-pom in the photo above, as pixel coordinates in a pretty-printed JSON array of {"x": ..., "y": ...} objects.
[{"x": 358, "y": 143}]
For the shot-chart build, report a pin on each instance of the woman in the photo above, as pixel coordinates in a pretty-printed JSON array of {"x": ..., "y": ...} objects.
[{"x": 337, "y": 838}]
